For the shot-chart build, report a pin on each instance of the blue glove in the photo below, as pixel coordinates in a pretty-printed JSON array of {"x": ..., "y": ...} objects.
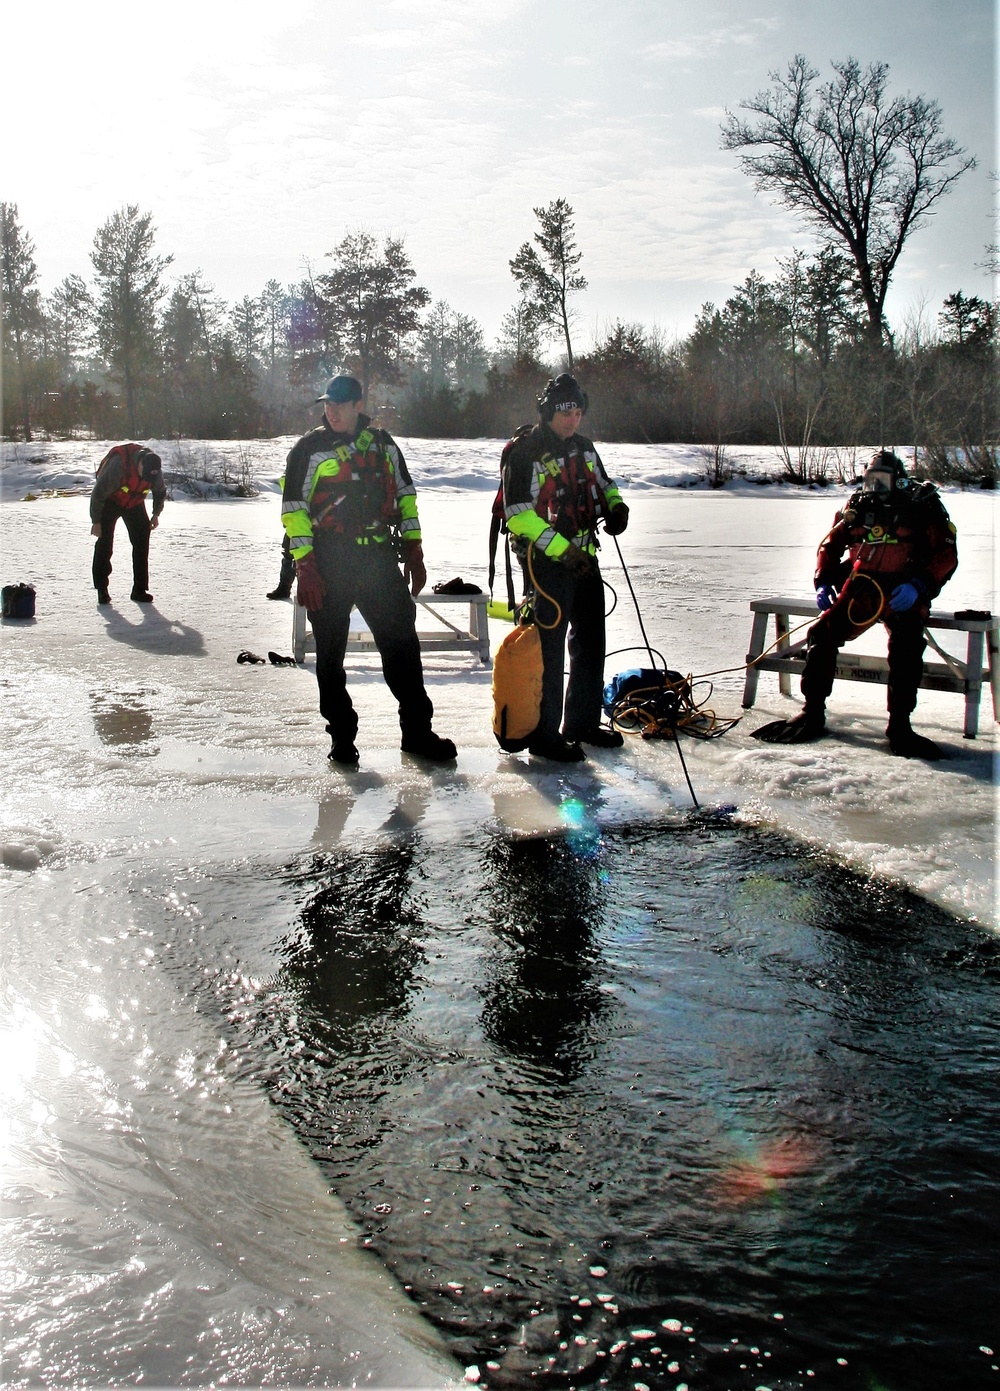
[
  {"x": 826, "y": 597},
  {"x": 904, "y": 596}
]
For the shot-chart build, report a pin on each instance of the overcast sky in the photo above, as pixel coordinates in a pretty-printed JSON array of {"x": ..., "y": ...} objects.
[{"x": 258, "y": 133}]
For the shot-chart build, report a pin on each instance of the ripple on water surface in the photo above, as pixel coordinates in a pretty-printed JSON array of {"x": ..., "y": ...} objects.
[{"x": 641, "y": 1107}]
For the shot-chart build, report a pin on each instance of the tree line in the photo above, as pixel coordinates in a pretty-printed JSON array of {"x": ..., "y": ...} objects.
[{"x": 801, "y": 359}]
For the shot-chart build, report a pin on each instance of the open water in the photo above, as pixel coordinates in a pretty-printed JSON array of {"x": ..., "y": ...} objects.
[{"x": 683, "y": 1105}]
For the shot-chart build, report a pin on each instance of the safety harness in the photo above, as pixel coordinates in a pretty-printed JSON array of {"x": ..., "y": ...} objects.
[
  {"x": 568, "y": 498},
  {"x": 353, "y": 493},
  {"x": 132, "y": 490}
]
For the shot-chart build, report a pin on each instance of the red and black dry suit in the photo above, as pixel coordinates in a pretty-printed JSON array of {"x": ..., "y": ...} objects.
[
  {"x": 344, "y": 499},
  {"x": 121, "y": 491},
  {"x": 554, "y": 493},
  {"x": 905, "y": 537}
]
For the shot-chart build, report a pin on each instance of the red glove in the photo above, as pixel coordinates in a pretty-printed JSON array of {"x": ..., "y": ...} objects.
[
  {"x": 311, "y": 587},
  {"x": 414, "y": 572}
]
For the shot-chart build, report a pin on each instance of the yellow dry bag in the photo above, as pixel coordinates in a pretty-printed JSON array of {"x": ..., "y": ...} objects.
[{"x": 517, "y": 688}]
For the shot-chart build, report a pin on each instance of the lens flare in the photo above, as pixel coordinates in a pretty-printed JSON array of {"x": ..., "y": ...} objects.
[
  {"x": 760, "y": 1177},
  {"x": 583, "y": 835},
  {"x": 573, "y": 814}
]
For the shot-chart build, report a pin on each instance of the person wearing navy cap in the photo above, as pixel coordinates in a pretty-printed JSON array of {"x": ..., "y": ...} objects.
[{"x": 349, "y": 511}]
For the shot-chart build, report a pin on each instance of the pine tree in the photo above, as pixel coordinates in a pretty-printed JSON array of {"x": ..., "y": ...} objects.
[
  {"x": 371, "y": 300},
  {"x": 22, "y": 314},
  {"x": 129, "y": 292},
  {"x": 70, "y": 311},
  {"x": 546, "y": 281}
]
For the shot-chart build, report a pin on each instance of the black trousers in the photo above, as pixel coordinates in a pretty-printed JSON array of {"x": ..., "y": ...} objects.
[
  {"x": 366, "y": 577},
  {"x": 905, "y": 654},
  {"x": 137, "y": 524},
  {"x": 287, "y": 574},
  {"x": 580, "y": 613}
]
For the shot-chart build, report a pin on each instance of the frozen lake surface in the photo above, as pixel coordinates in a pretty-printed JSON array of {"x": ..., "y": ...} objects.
[{"x": 237, "y": 979}]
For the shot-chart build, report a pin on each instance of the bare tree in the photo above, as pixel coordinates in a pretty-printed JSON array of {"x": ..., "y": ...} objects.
[
  {"x": 312, "y": 334},
  {"x": 547, "y": 280},
  {"x": 862, "y": 167},
  {"x": 129, "y": 292}
]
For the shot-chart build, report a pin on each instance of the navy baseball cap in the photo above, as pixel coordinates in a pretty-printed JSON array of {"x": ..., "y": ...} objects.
[{"x": 341, "y": 389}]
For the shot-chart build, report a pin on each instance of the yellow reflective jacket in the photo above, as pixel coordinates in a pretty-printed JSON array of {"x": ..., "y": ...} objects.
[
  {"x": 554, "y": 491},
  {"x": 358, "y": 487}
]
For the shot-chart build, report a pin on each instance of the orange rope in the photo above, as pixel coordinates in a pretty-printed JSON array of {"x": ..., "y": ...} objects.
[
  {"x": 806, "y": 623},
  {"x": 540, "y": 591}
]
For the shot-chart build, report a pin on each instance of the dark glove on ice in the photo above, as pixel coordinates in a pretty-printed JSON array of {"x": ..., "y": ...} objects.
[
  {"x": 578, "y": 562},
  {"x": 826, "y": 597},
  {"x": 904, "y": 596},
  {"x": 414, "y": 572},
  {"x": 616, "y": 522},
  {"x": 311, "y": 587}
]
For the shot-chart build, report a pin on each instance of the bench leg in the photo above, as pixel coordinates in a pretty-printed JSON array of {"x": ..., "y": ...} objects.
[
  {"x": 993, "y": 658},
  {"x": 973, "y": 684},
  {"x": 480, "y": 629},
  {"x": 781, "y": 627},
  {"x": 757, "y": 636}
]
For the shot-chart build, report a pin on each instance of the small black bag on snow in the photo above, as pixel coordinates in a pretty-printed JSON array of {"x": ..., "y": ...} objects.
[{"x": 18, "y": 600}]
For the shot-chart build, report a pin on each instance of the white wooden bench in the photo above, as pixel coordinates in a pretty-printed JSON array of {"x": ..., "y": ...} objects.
[
  {"x": 788, "y": 658},
  {"x": 448, "y": 636}
]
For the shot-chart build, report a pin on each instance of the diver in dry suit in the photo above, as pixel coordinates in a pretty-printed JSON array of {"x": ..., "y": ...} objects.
[
  {"x": 889, "y": 552},
  {"x": 555, "y": 491},
  {"x": 126, "y": 476}
]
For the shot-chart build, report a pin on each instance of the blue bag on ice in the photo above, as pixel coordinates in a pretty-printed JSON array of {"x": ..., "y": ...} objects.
[{"x": 643, "y": 697}]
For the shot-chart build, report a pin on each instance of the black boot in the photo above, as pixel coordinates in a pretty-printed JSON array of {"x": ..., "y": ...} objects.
[
  {"x": 429, "y": 745},
  {"x": 599, "y": 738},
  {"x": 805, "y": 728},
  {"x": 557, "y": 748},
  {"x": 904, "y": 743},
  {"x": 282, "y": 592}
]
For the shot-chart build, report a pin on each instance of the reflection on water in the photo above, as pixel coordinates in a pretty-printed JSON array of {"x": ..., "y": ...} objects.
[
  {"x": 121, "y": 719},
  {"x": 541, "y": 982},
  {"x": 642, "y": 1107},
  {"x": 352, "y": 959}
]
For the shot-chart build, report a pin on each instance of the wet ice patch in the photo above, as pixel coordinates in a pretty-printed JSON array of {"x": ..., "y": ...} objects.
[{"x": 816, "y": 775}]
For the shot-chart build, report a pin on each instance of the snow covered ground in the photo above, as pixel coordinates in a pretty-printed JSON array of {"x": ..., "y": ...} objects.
[{"x": 136, "y": 746}]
